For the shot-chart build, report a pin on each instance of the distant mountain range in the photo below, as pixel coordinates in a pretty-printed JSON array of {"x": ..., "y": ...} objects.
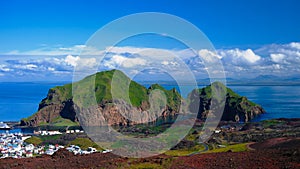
[
  {"x": 266, "y": 80},
  {"x": 259, "y": 80}
]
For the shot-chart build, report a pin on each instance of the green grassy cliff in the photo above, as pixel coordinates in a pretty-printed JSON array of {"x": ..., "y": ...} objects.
[
  {"x": 59, "y": 103},
  {"x": 96, "y": 90},
  {"x": 234, "y": 106}
]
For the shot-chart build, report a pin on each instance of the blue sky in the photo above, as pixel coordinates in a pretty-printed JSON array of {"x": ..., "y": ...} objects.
[
  {"x": 269, "y": 29},
  {"x": 29, "y": 24}
]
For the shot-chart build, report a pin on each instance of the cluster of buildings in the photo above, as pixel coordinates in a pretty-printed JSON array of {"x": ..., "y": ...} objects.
[
  {"x": 13, "y": 145},
  {"x": 229, "y": 127},
  {"x": 55, "y": 132},
  {"x": 77, "y": 150},
  {"x": 74, "y": 131}
]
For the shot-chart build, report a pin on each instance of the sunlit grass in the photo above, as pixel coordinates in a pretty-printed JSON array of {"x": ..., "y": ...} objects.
[
  {"x": 59, "y": 121},
  {"x": 84, "y": 143},
  {"x": 34, "y": 140},
  {"x": 233, "y": 148},
  {"x": 185, "y": 152}
]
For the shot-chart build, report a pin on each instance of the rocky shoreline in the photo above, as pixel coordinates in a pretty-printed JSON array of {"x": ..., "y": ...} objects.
[{"x": 60, "y": 106}]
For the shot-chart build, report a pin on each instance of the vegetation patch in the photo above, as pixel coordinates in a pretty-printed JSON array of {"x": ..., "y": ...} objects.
[
  {"x": 185, "y": 152},
  {"x": 233, "y": 148},
  {"x": 34, "y": 140},
  {"x": 59, "y": 121},
  {"x": 84, "y": 143},
  {"x": 268, "y": 123}
]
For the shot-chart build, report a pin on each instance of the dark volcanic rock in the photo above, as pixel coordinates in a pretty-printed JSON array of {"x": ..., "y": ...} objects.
[
  {"x": 105, "y": 109},
  {"x": 216, "y": 96},
  {"x": 115, "y": 114},
  {"x": 60, "y": 102},
  {"x": 62, "y": 153}
]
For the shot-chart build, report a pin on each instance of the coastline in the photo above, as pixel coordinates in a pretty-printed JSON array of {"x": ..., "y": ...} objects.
[
  {"x": 253, "y": 142},
  {"x": 15, "y": 125},
  {"x": 278, "y": 101}
]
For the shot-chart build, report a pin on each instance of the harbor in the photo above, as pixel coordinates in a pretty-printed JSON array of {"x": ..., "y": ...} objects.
[
  {"x": 13, "y": 127},
  {"x": 4, "y": 126},
  {"x": 14, "y": 141}
]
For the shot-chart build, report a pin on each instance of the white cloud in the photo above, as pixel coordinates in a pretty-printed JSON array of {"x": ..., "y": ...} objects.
[
  {"x": 269, "y": 59},
  {"x": 51, "y": 68},
  {"x": 55, "y": 51},
  {"x": 81, "y": 63},
  {"x": 295, "y": 45},
  {"x": 4, "y": 68},
  {"x": 125, "y": 49},
  {"x": 130, "y": 62},
  {"x": 185, "y": 53},
  {"x": 71, "y": 60},
  {"x": 278, "y": 57},
  {"x": 169, "y": 63},
  {"x": 74, "y": 48},
  {"x": 86, "y": 63},
  {"x": 238, "y": 56},
  {"x": 118, "y": 60},
  {"x": 165, "y": 63},
  {"x": 153, "y": 53},
  {"x": 277, "y": 66},
  {"x": 134, "y": 72},
  {"x": 31, "y": 66},
  {"x": 209, "y": 56},
  {"x": 250, "y": 56},
  {"x": 26, "y": 66}
]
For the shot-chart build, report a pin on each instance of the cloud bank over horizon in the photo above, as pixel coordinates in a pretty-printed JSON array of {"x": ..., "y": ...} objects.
[{"x": 56, "y": 64}]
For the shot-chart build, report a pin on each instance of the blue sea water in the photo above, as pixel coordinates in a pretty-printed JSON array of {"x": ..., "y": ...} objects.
[
  {"x": 278, "y": 101},
  {"x": 19, "y": 100}
]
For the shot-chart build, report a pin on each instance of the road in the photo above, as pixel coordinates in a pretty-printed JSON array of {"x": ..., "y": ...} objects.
[{"x": 206, "y": 148}]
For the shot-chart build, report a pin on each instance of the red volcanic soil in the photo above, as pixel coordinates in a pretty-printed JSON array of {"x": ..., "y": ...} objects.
[
  {"x": 244, "y": 160},
  {"x": 271, "y": 154},
  {"x": 278, "y": 143},
  {"x": 64, "y": 159},
  {"x": 277, "y": 153}
]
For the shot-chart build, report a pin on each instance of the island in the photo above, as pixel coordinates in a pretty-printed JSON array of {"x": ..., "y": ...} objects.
[
  {"x": 58, "y": 107},
  {"x": 236, "y": 142}
]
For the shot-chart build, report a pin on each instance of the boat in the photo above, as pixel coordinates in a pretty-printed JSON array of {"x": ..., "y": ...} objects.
[{"x": 4, "y": 126}]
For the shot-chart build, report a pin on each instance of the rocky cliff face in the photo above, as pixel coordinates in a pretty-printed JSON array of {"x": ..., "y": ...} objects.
[
  {"x": 100, "y": 115},
  {"x": 108, "y": 111},
  {"x": 120, "y": 113},
  {"x": 236, "y": 107},
  {"x": 49, "y": 111},
  {"x": 59, "y": 104}
]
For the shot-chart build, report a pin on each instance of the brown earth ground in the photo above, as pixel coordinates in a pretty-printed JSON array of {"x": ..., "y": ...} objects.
[{"x": 275, "y": 153}]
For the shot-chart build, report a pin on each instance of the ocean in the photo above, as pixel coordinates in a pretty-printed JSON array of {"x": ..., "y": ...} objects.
[
  {"x": 278, "y": 101},
  {"x": 19, "y": 100}
]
